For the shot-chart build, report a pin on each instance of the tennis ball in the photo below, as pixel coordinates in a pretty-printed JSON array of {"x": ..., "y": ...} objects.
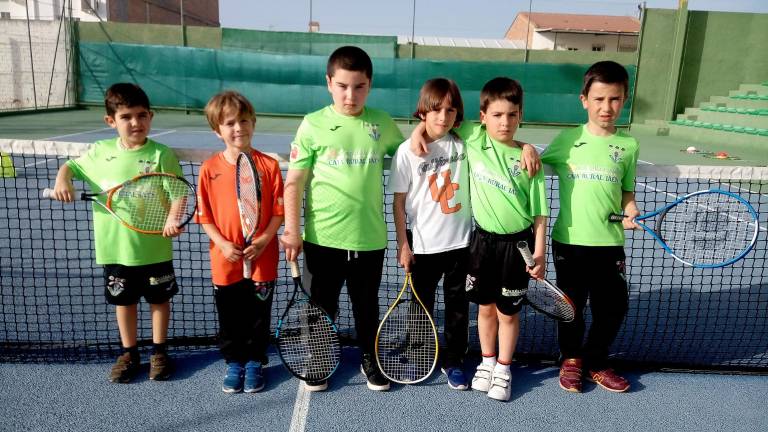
[
  {"x": 721, "y": 155},
  {"x": 691, "y": 149}
]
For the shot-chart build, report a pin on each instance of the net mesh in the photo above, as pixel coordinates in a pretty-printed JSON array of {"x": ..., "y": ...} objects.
[{"x": 52, "y": 305}]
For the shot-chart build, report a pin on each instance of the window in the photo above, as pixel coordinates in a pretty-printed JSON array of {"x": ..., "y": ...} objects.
[
  {"x": 572, "y": 49},
  {"x": 5, "y": 15},
  {"x": 598, "y": 47}
]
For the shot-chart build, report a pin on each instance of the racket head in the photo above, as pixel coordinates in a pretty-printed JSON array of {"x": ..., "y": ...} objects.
[
  {"x": 543, "y": 295},
  {"x": 705, "y": 229},
  {"x": 406, "y": 340},
  {"x": 248, "y": 187},
  {"x": 307, "y": 339},
  {"x": 148, "y": 201}
]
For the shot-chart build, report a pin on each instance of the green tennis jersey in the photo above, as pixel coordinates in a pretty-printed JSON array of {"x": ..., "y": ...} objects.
[
  {"x": 593, "y": 172},
  {"x": 344, "y": 204},
  {"x": 505, "y": 199},
  {"x": 107, "y": 164}
]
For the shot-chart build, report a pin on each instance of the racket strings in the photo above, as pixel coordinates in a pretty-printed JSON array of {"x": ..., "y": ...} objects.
[
  {"x": 407, "y": 343},
  {"x": 709, "y": 228},
  {"x": 249, "y": 193},
  {"x": 308, "y": 342},
  {"x": 549, "y": 301},
  {"x": 147, "y": 203}
]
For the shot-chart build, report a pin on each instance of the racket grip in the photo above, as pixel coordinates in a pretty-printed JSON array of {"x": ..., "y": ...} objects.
[
  {"x": 522, "y": 246},
  {"x": 48, "y": 193},
  {"x": 247, "y": 268},
  {"x": 615, "y": 217},
  {"x": 294, "y": 269}
]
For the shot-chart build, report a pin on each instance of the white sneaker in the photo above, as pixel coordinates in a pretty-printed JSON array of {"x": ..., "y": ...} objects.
[
  {"x": 500, "y": 386},
  {"x": 482, "y": 379}
]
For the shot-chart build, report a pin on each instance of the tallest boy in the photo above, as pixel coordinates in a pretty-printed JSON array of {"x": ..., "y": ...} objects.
[{"x": 337, "y": 155}]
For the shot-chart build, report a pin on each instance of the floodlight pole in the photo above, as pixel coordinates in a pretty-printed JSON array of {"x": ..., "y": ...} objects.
[{"x": 413, "y": 31}]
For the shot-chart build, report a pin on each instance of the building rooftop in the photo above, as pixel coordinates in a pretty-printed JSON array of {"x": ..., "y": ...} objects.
[
  {"x": 461, "y": 42},
  {"x": 575, "y": 23}
]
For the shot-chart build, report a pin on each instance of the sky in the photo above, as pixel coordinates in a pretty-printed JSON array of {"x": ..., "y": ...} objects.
[{"x": 457, "y": 18}]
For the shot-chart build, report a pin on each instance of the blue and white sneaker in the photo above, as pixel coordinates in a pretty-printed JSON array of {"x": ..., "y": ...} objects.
[
  {"x": 254, "y": 380},
  {"x": 233, "y": 380},
  {"x": 456, "y": 378}
]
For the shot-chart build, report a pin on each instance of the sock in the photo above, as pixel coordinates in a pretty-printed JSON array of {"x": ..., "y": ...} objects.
[
  {"x": 133, "y": 351},
  {"x": 502, "y": 367},
  {"x": 489, "y": 359},
  {"x": 159, "y": 348}
]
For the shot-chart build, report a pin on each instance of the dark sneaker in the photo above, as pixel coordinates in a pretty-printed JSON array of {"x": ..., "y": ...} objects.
[
  {"x": 316, "y": 386},
  {"x": 124, "y": 369},
  {"x": 608, "y": 380},
  {"x": 369, "y": 368},
  {"x": 570, "y": 375},
  {"x": 233, "y": 380},
  {"x": 160, "y": 367},
  {"x": 254, "y": 380},
  {"x": 456, "y": 378}
]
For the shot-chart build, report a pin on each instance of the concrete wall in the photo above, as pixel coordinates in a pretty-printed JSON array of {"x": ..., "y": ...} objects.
[{"x": 18, "y": 90}]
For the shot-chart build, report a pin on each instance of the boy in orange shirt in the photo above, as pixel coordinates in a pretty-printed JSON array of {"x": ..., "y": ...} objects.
[{"x": 244, "y": 305}]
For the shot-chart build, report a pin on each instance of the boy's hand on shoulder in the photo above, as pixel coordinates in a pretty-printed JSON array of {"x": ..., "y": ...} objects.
[
  {"x": 530, "y": 159},
  {"x": 231, "y": 251},
  {"x": 292, "y": 244},
  {"x": 405, "y": 256},
  {"x": 418, "y": 142}
]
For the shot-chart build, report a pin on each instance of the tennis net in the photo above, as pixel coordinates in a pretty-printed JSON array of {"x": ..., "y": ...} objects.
[{"x": 51, "y": 291}]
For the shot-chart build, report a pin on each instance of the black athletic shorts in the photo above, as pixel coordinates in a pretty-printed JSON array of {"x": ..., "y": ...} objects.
[{"x": 125, "y": 285}]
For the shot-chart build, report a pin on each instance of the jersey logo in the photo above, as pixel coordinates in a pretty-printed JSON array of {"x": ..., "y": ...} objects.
[
  {"x": 294, "y": 152},
  {"x": 485, "y": 147},
  {"x": 373, "y": 131},
  {"x": 333, "y": 129},
  {"x": 577, "y": 145},
  {"x": 515, "y": 170},
  {"x": 110, "y": 158},
  {"x": 469, "y": 285},
  {"x": 444, "y": 193},
  {"x": 616, "y": 153},
  {"x": 214, "y": 176},
  {"x": 145, "y": 166},
  {"x": 115, "y": 285}
]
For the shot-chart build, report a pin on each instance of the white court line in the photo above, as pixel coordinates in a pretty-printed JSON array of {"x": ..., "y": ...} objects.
[
  {"x": 161, "y": 133},
  {"x": 78, "y": 133},
  {"x": 300, "y": 409}
]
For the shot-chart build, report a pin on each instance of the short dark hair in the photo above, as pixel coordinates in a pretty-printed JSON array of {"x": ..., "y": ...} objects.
[
  {"x": 124, "y": 94},
  {"x": 225, "y": 103},
  {"x": 606, "y": 72},
  {"x": 350, "y": 58},
  {"x": 501, "y": 88},
  {"x": 434, "y": 92}
]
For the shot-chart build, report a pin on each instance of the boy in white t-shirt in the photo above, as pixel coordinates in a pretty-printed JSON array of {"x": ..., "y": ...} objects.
[{"x": 432, "y": 193}]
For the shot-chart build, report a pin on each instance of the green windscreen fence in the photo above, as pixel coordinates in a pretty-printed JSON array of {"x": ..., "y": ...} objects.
[
  {"x": 322, "y": 44},
  {"x": 295, "y": 84}
]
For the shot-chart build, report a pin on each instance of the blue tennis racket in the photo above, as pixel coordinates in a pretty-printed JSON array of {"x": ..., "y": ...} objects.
[{"x": 705, "y": 229}]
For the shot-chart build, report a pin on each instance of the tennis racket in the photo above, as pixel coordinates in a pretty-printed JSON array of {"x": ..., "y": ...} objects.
[
  {"x": 307, "y": 339},
  {"x": 147, "y": 202},
  {"x": 248, "y": 202},
  {"x": 705, "y": 229},
  {"x": 543, "y": 295},
  {"x": 406, "y": 341}
]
